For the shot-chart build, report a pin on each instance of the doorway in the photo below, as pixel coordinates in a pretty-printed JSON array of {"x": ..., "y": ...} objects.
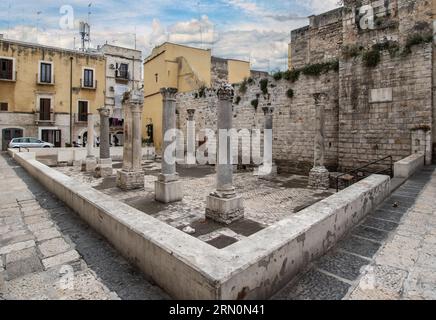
[
  {"x": 9, "y": 134},
  {"x": 53, "y": 136}
]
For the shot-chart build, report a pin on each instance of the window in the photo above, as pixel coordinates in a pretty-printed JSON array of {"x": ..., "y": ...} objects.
[
  {"x": 3, "y": 106},
  {"x": 44, "y": 109},
  {"x": 6, "y": 69},
  {"x": 83, "y": 111},
  {"x": 123, "y": 71},
  {"x": 45, "y": 72},
  {"x": 88, "y": 78}
]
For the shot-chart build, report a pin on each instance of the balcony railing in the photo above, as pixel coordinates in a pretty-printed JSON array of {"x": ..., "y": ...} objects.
[
  {"x": 84, "y": 85},
  {"x": 38, "y": 80},
  {"x": 45, "y": 118},
  {"x": 14, "y": 77},
  {"x": 123, "y": 76}
]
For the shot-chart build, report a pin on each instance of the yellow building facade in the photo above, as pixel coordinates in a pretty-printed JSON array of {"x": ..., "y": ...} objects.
[
  {"x": 187, "y": 69},
  {"x": 46, "y": 92}
]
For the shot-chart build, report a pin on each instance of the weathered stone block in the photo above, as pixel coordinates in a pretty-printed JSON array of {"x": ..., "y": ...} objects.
[
  {"x": 104, "y": 168},
  {"x": 224, "y": 210},
  {"x": 127, "y": 180},
  {"x": 168, "y": 192},
  {"x": 319, "y": 178},
  {"x": 89, "y": 165}
]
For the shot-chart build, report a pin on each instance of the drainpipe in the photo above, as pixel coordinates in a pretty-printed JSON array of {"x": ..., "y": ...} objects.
[{"x": 71, "y": 101}]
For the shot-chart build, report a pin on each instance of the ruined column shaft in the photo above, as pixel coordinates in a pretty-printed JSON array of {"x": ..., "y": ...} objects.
[
  {"x": 104, "y": 134},
  {"x": 90, "y": 139},
  {"x": 224, "y": 205},
  {"x": 224, "y": 165},
  {"x": 136, "y": 139},
  {"x": 168, "y": 188},
  {"x": 319, "y": 137},
  {"x": 168, "y": 123},
  {"x": 127, "y": 147}
]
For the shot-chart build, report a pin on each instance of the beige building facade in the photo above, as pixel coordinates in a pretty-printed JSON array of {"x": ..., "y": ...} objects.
[{"x": 46, "y": 92}]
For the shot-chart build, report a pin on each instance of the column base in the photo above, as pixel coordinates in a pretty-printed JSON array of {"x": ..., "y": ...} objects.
[
  {"x": 104, "y": 168},
  {"x": 225, "y": 211},
  {"x": 265, "y": 172},
  {"x": 168, "y": 192},
  {"x": 130, "y": 180},
  {"x": 319, "y": 178},
  {"x": 89, "y": 164}
]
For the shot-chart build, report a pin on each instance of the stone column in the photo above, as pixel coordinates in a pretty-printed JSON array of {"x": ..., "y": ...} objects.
[
  {"x": 224, "y": 205},
  {"x": 104, "y": 167},
  {"x": 168, "y": 188},
  {"x": 190, "y": 139},
  {"x": 268, "y": 169},
  {"x": 132, "y": 176},
  {"x": 319, "y": 177},
  {"x": 90, "y": 163}
]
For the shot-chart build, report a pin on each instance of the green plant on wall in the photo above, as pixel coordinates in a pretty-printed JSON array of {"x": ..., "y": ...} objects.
[
  {"x": 290, "y": 93},
  {"x": 317, "y": 69},
  {"x": 264, "y": 86},
  {"x": 371, "y": 58},
  {"x": 292, "y": 75},
  {"x": 202, "y": 92},
  {"x": 243, "y": 87},
  {"x": 278, "y": 76},
  {"x": 238, "y": 100},
  {"x": 255, "y": 103},
  {"x": 416, "y": 39}
]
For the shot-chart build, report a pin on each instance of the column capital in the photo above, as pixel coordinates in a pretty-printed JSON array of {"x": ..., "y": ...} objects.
[
  {"x": 268, "y": 110},
  {"x": 169, "y": 93},
  {"x": 191, "y": 113},
  {"x": 104, "y": 111},
  {"x": 133, "y": 97},
  {"x": 226, "y": 92}
]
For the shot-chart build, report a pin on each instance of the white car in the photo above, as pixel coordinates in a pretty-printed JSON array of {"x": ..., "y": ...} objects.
[{"x": 29, "y": 143}]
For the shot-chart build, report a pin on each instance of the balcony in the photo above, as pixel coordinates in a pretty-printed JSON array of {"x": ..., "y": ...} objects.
[
  {"x": 39, "y": 82},
  {"x": 80, "y": 119},
  {"x": 122, "y": 76},
  {"x": 45, "y": 119},
  {"x": 88, "y": 86},
  {"x": 8, "y": 79}
]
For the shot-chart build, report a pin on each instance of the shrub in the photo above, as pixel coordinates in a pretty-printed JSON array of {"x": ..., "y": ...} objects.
[
  {"x": 255, "y": 103},
  {"x": 250, "y": 81},
  {"x": 292, "y": 75},
  {"x": 264, "y": 86},
  {"x": 202, "y": 92},
  {"x": 243, "y": 87},
  {"x": 238, "y": 100},
  {"x": 371, "y": 58},
  {"x": 416, "y": 39},
  {"x": 319, "y": 68},
  {"x": 349, "y": 52},
  {"x": 278, "y": 76},
  {"x": 290, "y": 93}
]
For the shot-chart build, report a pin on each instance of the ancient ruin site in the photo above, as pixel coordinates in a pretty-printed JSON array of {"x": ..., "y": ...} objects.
[{"x": 174, "y": 173}]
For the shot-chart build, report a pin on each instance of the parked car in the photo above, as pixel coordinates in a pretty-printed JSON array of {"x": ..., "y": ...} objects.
[{"x": 29, "y": 143}]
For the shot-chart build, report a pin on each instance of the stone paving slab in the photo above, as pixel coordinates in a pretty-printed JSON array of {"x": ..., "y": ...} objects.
[
  {"x": 47, "y": 252},
  {"x": 390, "y": 255}
]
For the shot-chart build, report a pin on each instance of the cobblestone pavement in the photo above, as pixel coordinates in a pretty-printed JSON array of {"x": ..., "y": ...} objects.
[
  {"x": 390, "y": 255},
  {"x": 47, "y": 252},
  {"x": 265, "y": 202}
]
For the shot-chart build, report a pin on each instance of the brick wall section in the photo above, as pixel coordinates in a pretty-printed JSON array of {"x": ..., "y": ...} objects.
[{"x": 293, "y": 117}]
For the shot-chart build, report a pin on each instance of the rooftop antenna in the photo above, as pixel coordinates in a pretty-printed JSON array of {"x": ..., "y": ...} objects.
[
  {"x": 135, "y": 37},
  {"x": 85, "y": 34}
]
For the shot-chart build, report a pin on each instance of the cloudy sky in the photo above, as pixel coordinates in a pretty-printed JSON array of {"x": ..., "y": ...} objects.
[{"x": 255, "y": 30}]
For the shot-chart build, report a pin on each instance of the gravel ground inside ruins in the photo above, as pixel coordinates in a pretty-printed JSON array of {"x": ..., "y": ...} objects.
[{"x": 266, "y": 201}]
